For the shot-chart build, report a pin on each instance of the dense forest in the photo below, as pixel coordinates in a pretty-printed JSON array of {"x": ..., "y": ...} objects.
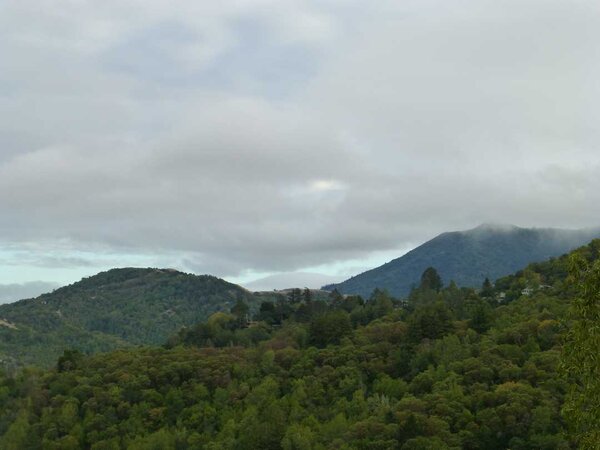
[{"x": 445, "y": 368}]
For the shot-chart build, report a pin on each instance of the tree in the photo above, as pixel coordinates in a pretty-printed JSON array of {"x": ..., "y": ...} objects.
[
  {"x": 329, "y": 328},
  {"x": 17, "y": 435},
  {"x": 431, "y": 280},
  {"x": 486, "y": 288},
  {"x": 580, "y": 360},
  {"x": 295, "y": 296},
  {"x": 481, "y": 317},
  {"x": 240, "y": 311},
  {"x": 267, "y": 312},
  {"x": 380, "y": 303},
  {"x": 69, "y": 360},
  {"x": 160, "y": 440},
  {"x": 431, "y": 321},
  {"x": 298, "y": 437},
  {"x": 335, "y": 298},
  {"x": 307, "y": 295},
  {"x": 283, "y": 309}
]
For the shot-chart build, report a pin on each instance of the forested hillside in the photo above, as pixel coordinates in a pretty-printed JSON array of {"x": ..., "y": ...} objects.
[
  {"x": 468, "y": 257},
  {"x": 113, "y": 309},
  {"x": 449, "y": 369}
]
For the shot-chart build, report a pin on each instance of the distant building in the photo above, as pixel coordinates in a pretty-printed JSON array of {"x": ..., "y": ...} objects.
[{"x": 527, "y": 291}]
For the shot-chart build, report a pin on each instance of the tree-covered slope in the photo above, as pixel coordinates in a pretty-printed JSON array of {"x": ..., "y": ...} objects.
[
  {"x": 116, "y": 308},
  {"x": 468, "y": 257},
  {"x": 452, "y": 369}
]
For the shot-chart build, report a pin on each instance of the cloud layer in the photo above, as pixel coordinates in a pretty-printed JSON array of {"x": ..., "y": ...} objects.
[{"x": 270, "y": 136}]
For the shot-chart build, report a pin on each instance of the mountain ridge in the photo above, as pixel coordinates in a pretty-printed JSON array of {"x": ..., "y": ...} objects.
[{"x": 468, "y": 257}]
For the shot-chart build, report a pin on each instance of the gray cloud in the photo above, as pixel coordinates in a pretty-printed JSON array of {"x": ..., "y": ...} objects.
[{"x": 274, "y": 136}]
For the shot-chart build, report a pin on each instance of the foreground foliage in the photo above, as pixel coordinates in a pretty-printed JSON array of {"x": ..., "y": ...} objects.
[{"x": 581, "y": 361}]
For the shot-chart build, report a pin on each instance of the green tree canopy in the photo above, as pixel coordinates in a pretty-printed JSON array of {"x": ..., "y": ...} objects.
[
  {"x": 430, "y": 279},
  {"x": 581, "y": 359}
]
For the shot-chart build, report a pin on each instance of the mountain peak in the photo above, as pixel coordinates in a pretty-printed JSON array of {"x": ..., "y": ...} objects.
[{"x": 496, "y": 227}]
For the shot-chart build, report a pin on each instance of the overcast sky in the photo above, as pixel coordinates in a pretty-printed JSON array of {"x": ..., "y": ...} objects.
[{"x": 255, "y": 138}]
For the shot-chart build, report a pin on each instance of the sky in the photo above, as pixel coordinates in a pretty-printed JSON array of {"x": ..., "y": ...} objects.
[{"x": 286, "y": 139}]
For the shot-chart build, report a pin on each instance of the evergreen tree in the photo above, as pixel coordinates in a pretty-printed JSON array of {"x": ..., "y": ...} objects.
[
  {"x": 431, "y": 280},
  {"x": 240, "y": 309},
  {"x": 267, "y": 312},
  {"x": 307, "y": 295},
  {"x": 487, "y": 289},
  {"x": 380, "y": 303},
  {"x": 481, "y": 316},
  {"x": 431, "y": 321},
  {"x": 295, "y": 296}
]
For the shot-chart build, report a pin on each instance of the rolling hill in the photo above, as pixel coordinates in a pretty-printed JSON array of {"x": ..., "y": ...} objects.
[
  {"x": 468, "y": 257},
  {"x": 116, "y": 308}
]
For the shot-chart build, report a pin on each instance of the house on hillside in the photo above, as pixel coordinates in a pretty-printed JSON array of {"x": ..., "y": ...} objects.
[{"x": 527, "y": 291}]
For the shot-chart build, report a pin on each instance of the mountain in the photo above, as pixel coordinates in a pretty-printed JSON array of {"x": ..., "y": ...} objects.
[
  {"x": 468, "y": 257},
  {"x": 117, "y": 308}
]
